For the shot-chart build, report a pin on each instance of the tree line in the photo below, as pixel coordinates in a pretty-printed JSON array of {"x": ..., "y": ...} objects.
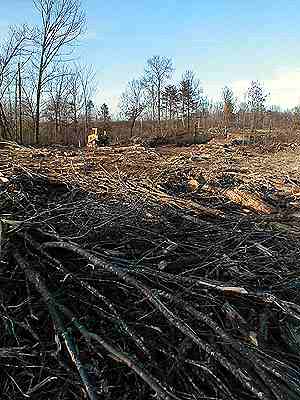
[
  {"x": 183, "y": 106},
  {"x": 47, "y": 97}
]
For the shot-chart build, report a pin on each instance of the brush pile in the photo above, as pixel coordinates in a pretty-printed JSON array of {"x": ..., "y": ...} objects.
[
  {"x": 133, "y": 298},
  {"x": 126, "y": 273}
]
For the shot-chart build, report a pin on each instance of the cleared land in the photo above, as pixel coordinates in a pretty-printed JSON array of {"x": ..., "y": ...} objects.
[
  {"x": 129, "y": 271},
  {"x": 268, "y": 175}
]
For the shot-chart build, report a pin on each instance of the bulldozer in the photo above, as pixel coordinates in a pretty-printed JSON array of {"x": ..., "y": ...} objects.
[{"x": 98, "y": 139}]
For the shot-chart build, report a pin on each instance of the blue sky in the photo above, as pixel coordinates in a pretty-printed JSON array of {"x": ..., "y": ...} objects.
[{"x": 226, "y": 42}]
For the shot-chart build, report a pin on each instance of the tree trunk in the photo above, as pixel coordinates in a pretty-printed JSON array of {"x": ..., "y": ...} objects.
[
  {"x": 56, "y": 125},
  {"x": 38, "y": 99},
  {"x": 20, "y": 105},
  {"x": 37, "y": 115},
  {"x": 4, "y": 124},
  {"x": 86, "y": 124},
  {"x": 15, "y": 118},
  {"x": 253, "y": 122},
  {"x": 159, "y": 106},
  {"x": 188, "y": 115},
  {"x": 75, "y": 123},
  {"x": 132, "y": 126}
]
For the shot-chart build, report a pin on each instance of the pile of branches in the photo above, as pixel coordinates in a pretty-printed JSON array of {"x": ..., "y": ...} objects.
[{"x": 131, "y": 299}]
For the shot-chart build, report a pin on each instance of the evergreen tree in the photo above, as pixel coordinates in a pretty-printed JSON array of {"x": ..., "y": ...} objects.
[
  {"x": 256, "y": 102},
  {"x": 229, "y": 105},
  {"x": 105, "y": 117},
  {"x": 190, "y": 94},
  {"x": 170, "y": 98}
]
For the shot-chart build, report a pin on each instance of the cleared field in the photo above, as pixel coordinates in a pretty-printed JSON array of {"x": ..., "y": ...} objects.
[
  {"x": 129, "y": 272},
  {"x": 270, "y": 173}
]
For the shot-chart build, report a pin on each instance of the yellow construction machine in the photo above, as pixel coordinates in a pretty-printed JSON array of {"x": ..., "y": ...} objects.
[
  {"x": 96, "y": 139},
  {"x": 92, "y": 137}
]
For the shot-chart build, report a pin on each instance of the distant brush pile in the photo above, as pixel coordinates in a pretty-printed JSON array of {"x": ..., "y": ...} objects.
[{"x": 135, "y": 298}]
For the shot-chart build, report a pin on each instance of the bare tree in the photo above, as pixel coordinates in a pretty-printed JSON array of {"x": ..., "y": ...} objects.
[
  {"x": 76, "y": 103},
  {"x": 11, "y": 51},
  {"x": 150, "y": 101},
  {"x": 19, "y": 96},
  {"x": 28, "y": 92},
  {"x": 157, "y": 72},
  {"x": 62, "y": 22},
  {"x": 58, "y": 96},
  {"x": 87, "y": 77},
  {"x": 132, "y": 102}
]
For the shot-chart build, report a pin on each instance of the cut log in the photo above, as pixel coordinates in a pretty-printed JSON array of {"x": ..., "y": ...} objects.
[{"x": 249, "y": 200}]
